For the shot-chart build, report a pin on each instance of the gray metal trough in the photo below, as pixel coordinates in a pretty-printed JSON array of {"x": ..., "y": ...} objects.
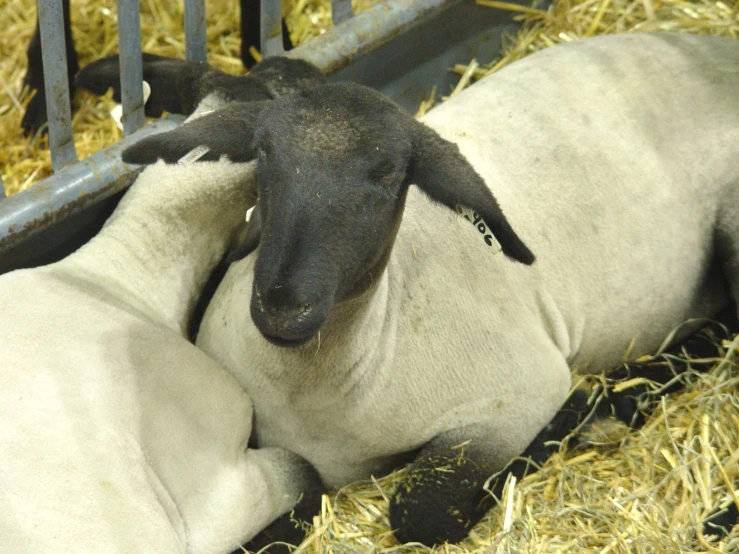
[{"x": 400, "y": 47}]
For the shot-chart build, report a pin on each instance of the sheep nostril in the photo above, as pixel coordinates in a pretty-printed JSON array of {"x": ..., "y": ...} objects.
[{"x": 304, "y": 312}]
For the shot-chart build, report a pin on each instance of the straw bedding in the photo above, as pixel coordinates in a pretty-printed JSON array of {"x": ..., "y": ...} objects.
[{"x": 643, "y": 491}]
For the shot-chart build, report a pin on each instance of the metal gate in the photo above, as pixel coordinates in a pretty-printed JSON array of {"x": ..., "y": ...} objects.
[{"x": 396, "y": 46}]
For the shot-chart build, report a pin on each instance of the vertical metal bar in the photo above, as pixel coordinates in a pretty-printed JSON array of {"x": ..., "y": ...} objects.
[
  {"x": 56, "y": 83},
  {"x": 341, "y": 10},
  {"x": 2, "y": 188},
  {"x": 195, "y": 43},
  {"x": 270, "y": 13},
  {"x": 132, "y": 76}
]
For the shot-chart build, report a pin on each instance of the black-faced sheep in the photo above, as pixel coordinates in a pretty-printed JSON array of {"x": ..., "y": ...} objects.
[
  {"x": 35, "y": 115},
  {"x": 367, "y": 339}
]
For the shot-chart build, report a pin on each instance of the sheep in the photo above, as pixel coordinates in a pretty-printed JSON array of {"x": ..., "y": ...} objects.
[
  {"x": 35, "y": 116},
  {"x": 381, "y": 328},
  {"x": 117, "y": 434}
]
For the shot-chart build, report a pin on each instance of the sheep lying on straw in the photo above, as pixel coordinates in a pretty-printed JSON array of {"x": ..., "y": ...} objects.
[
  {"x": 642, "y": 492},
  {"x": 337, "y": 294},
  {"x": 116, "y": 433}
]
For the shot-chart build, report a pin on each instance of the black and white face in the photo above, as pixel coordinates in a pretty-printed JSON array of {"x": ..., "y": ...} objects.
[{"x": 332, "y": 184}]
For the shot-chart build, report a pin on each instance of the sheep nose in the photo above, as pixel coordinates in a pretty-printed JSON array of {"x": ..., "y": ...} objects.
[{"x": 278, "y": 307}]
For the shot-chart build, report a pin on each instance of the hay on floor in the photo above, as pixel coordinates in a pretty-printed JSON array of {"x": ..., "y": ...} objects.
[{"x": 644, "y": 491}]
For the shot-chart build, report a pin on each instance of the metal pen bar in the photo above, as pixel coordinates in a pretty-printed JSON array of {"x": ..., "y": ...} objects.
[
  {"x": 341, "y": 10},
  {"x": 195, "y": 41},
  {"x": 71, "y": 190},
  {"x": 366, "y": 31},
  {"x": 132, "y": 76},
  {"x": 56, "y": 83},
  {"x": 2, "y": 189},
  {"x": 270, "y": 12}
]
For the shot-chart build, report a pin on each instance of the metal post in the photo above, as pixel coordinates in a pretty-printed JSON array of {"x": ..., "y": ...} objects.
[
  {"x": 270, "y": 12},
  {"x": 132, "y": 76},
  {"x": 56, "y": 83},
  {"x": 195, "y": 43},
  {"x": 2, "y": 188},
  {"x": 341, "y": 10}
]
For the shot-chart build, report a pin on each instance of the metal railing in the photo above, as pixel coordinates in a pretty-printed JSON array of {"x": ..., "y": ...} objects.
[
  {"x": 76, "y": 185},
  {"x": 61, "y": 141}
]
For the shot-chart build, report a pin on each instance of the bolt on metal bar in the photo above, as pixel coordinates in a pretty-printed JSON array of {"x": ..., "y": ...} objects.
[
  {"x": 195, "y": 43},
  {"x": 56, "y": 83},
  {"x": 341, "y": 10},
  {"x": 270, "y": 12},
  {"x": 132, "y": 76}
]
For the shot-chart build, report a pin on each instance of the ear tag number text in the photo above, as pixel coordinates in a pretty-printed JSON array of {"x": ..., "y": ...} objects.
[{"x": 475, "y": 218}]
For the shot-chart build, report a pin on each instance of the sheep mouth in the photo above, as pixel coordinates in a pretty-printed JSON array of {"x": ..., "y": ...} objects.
[
  {"x": 291, "y": 327},
  {"x": 287, "y": 343}
]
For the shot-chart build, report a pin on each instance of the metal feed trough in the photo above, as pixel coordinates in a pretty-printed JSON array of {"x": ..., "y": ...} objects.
[{"x": 400, "y": 47}]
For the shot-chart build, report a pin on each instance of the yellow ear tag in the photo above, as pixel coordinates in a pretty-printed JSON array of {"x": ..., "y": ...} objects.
[{"x": 117, "y": 112}]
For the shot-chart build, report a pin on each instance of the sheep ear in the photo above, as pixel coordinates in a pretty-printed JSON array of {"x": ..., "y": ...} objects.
[
  {"x": 174, "y": 83},
  {"x": 228, "y": 131},
  {"x": 246, "y": 244},
  {"x": 439, "y": 169}
]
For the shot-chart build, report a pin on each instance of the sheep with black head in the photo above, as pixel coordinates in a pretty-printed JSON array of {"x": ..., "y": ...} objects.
[
  {"x": 380, "y": 327},
  {"x": 35, "y": 116}
]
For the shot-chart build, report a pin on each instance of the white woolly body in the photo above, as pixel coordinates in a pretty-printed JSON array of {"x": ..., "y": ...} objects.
[
  {"x": 117, "y": 435},
  {"x": 613, "y": 159}
]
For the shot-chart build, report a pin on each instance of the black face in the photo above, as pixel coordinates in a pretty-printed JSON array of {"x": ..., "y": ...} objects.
[
  {"x": 331, "y": 172},
  {"x": 334, "y": 165}
]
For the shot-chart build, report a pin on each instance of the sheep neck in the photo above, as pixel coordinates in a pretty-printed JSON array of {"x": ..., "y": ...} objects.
[{"x": 165, "y": 238}]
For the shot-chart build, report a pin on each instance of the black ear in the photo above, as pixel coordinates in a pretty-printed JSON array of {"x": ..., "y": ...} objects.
[
  {"x": 228, "y": 131},
  {"x": 175, "y": 84},
  {"x": 248, "y": 243},
  {"x": 439, "y": 169}
]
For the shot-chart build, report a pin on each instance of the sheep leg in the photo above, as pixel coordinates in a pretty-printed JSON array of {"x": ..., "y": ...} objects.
[
  {"x": 289, "y": 527},
  {"x": 35, "y": 115},
  {"x": 442, "y": 497},
  {"x": 251, "y": 31}
]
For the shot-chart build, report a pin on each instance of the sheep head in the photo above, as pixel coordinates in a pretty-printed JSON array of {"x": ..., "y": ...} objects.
[{"x": 334, "y": 164}]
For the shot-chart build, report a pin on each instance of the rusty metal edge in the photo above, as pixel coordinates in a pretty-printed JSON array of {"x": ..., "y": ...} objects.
[
  {"x": 366, "y": 32},
  {"x": 104, "y": 173}
]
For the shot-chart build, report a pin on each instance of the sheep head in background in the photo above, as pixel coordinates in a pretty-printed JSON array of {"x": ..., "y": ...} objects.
[
  {"x": 35, "y": 115},
  {"x": 429, "y": 347},
  {"x": 181, "y": 86}
]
